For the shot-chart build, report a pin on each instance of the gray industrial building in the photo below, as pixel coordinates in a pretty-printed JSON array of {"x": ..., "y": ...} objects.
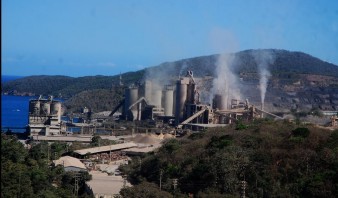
[
  {"x": 44, "y": 116},
  {"x": 182, "y": 103}
]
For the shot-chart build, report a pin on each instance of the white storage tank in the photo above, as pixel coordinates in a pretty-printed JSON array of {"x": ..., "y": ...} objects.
[
  {"x": 46, "y": 108},
  {"x": 56, "y": 109},
  {"x": 156, "y": 98},
  {"x": 168, "y": 100},
  {"x": 37, "y": 107},
  {"x": 181, "y": 96},
  {"x": 147, "y": 90},
  {"x": 131, "y": 95}
]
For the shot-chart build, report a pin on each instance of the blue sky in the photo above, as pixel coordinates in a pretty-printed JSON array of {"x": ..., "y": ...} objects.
[{"x": 106, "y": 37}]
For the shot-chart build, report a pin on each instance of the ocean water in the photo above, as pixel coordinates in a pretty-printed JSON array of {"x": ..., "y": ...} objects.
[{"x": 14, "y": 110}]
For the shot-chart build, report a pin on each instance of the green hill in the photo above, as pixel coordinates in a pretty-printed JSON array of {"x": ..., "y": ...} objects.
[
  {"x": 298, "y": 80},
  {"x": 276, "y": 159}
]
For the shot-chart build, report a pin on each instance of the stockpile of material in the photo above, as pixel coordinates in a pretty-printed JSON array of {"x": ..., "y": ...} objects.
[{"x": 145, "y": 139}]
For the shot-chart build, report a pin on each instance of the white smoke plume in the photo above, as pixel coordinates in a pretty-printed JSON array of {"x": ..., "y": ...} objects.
[
  {"x": 226, "y": 82},
  {"x": 263, "y": 59},
  {"x": 183, "y": 68}
]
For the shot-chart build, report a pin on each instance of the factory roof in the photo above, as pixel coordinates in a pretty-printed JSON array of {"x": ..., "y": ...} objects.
[
  {"x": 62, "y": 138},
  {"x": 106, "y": 148},
  {"x": 208, "y": 125},
  {"x": 68, "y": 161}
]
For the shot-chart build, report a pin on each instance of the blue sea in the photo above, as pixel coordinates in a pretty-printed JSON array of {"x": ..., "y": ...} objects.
[{"x": 14, "y": 110}]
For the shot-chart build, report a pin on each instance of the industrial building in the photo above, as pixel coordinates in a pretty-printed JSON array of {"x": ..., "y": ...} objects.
[
  {"x": 70, "y": 164},
  {"x": 181, "y": 102},
  {"x": 44, "y": 116}
]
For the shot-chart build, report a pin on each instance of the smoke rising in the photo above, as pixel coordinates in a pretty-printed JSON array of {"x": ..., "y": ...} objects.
[
  {"x": 226, "y": 82},
  {"x": 263, "y": 59}
]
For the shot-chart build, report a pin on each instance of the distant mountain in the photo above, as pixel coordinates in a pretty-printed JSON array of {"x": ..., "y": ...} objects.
[
  {"x": 63, "y": 86},
  {"x": 244, "y": 61},
  {"x": 7, "y": 78},
  {"x": 298, "y": 81}
]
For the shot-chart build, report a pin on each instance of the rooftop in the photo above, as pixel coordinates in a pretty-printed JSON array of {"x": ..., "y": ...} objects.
[
  {"x": 100, "y": 149},
  {"x": 68, "y": 161}
]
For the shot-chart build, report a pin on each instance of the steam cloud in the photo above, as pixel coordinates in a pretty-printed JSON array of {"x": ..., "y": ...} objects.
[
  {"x": 226, "y": 83},
  {"x": 263, "y": 59}
]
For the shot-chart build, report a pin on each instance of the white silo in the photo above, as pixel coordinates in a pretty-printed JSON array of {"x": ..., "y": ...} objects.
[
  {"x": 181, "y": 96},
  {"x": 46, "y": 107},
  {"x": 56, "y": 109},
  {"x": 37, "y": 107},
  {"x": 147, "y": 90},
  {"x": 131, "y": 96},
  {"x": 168, "y": 100},
  {"x": 156, "y": 98}
]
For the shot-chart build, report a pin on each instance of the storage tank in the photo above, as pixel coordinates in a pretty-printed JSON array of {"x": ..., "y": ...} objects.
[
  {"x": 56, "y": 108},
  {"x": 168, "y": 100},
  {"x": 219, "y": 102},
  {"x": 131, "y": 97},
  {"x": 181, "y": 96},
  {"x": 156, "y": 97},
  {"x": 46, "y": 108},
  {"x": 37, "y": 107},
  {"x": 147, "y": 90}
]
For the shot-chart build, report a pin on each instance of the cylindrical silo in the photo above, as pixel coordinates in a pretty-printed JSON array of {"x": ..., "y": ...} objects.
[
  {"x": 131, "y": 97},
  {"x": 168, "y": 100},
  {"x": 37, "y": 107},
  {"x": 219, "y": 102},
  {"x": 56, "y": 108},
  {"x": 46, "y": 107},
  {"x": 147, "y": 90},
  {"x": 156, "y": 97},
  {"x": 181, "y": 96}
]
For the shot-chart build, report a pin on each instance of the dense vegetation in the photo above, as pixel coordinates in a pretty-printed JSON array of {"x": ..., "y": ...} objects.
[
  {"x": 276, "y": 159},
  {"x": 97, "y": 100},
  {"x": 64, "y": 86},
  {"x": 28, "y": 173}
]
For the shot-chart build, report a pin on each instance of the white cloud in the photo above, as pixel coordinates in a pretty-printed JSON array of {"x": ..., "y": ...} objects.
[{"x": 107, "y": 64}]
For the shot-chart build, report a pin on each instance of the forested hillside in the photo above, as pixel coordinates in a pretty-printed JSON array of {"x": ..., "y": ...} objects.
[
  {"x": 276, "y": 159},
  {"x": 299, "y": 81},
  {"x": 27, "y": 173},
  {"x": 284, "y": 62},
  {"x": 97, "y": 100},
  {"x": 64, "y": 86}
]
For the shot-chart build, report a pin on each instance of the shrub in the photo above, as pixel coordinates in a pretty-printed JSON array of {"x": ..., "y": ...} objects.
[{"x": 301, "y": 132}]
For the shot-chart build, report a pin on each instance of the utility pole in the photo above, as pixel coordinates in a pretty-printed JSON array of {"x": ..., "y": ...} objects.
[
  {"x": 243, "y": 186},
  {"x": 161, "y": 173},
  {"x": 175, "y": 184},
  {"x": 140, "y": 162},
  {"x": 76, "y": 186},
  {"x": 47, "y": 153}
]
